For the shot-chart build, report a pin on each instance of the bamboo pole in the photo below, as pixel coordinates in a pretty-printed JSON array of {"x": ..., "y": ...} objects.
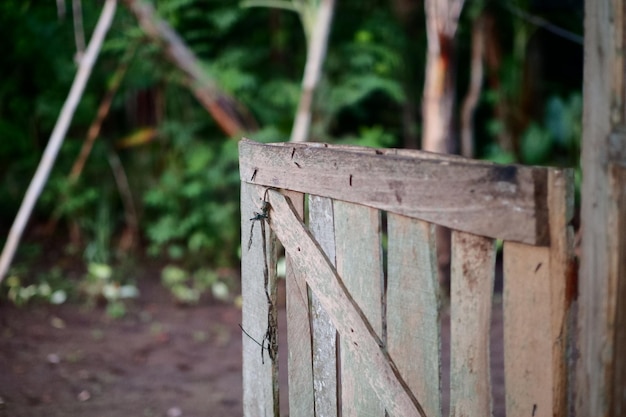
[{"x": 57, "y": 136}]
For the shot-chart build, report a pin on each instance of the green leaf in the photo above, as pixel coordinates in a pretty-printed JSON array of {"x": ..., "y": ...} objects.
[
  {"x": 172, "y": 275},
  {"x": 100, "y": 271}
]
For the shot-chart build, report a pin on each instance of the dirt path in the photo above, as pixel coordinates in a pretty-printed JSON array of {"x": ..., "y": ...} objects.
[{"x": 160, "y": 360}]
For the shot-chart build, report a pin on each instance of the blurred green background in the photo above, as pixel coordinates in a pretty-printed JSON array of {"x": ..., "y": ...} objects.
[{"x": 180, "y": 201}]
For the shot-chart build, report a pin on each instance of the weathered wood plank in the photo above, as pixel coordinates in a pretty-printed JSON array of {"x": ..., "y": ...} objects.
[
  {"x": 449, "y": 193},
  {"x": 413, "y": 308},
  {"x": 562, "y": 280},
  {"x": 617, "y": 222},
  {"x": 409, "y": 153},
  {"x": 301, "y": 394},
  {"x": 604, "y": 117},
  {"x": 260, "y": 372},
  {"x": 360, "y": 265},
  {"x": 528, "y": 339},
  {"x": 378, "y": 368},
  {"x": 473, "y": 267},
  {"x": 322, "y": 225}
]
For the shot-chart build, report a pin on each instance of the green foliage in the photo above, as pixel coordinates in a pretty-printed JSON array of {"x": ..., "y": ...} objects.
[
  {"x": 187, "y": 288},
  {"x": 194, "y": 204},
  {"x": 556, "y": 140},
  {"x": 102, "y": 284},
  {"x": 51, "y": 287},
  {"x": 185, "y": 183}
]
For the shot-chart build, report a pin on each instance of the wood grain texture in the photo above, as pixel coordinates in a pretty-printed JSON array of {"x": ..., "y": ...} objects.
[
  {"x": 604, "y": 114},
  {"x": 322, "y": 224},
  {"x": 260, "y": 373},
  {"x": 413, "y": 308},
  {"x": 473, "y": 266},
  {"x": 299, "y": 362},
  {"x": 377, "y": 367},
  {"x": 617, "y": 279},
  {"x": 528, "y": 338},
  {"x": 360, "y": 265},
  {"x": 444, "y": 192},
  {"x": 562, "y": 280}
]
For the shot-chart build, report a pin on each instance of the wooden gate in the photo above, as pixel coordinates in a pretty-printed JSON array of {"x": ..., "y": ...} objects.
[{"x": 363, "y": 304}]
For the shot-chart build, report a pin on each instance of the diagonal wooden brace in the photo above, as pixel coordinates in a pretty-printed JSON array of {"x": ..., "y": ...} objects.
[{"x": 323, "y": 279}]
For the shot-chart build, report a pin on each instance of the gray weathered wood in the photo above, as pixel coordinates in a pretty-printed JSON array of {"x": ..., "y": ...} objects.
[
  {"x": 260, "y": 373},
  {"x": 377, "y": 367},
  {"x": 473, "y": 267},
  {"x": 601, "y": 342},
  {"x": 449, "y": 193},
  {"x": 360, "y": 265},
  {"x": 413, "y": 332},
  {"x": 301, "y": 397},
  {"x": 322, "y": 224},
  {"x": 528, "y": 337}
]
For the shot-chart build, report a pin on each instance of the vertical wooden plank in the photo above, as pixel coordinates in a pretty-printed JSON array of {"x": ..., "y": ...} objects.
[
  {"x": 562, "y": 280},
  {"x": 322, "y": 226},
  {"x": 260, "y": 372},
  {"x": 300, "y": 366},
  {"x": 617, "y": 222},
  {"x": 345, "y": 314},
  {"x": 604, "y": 118},
  {"x": 528, "y": 354},
  {"x": 473, "y": 269},
  {"x": 359, "y": 263},
  {"x": 413, "y": 332}
]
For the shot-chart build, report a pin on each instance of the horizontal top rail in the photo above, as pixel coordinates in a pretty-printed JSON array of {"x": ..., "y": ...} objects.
[{"x": 500, "y": 201}]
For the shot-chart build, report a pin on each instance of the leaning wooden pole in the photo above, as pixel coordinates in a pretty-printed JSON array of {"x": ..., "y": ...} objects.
[
  {"x": 58, "y": 134},
  {"x": 601, "y": 370}
]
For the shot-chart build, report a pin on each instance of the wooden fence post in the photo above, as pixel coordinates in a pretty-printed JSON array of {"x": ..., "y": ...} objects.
[
  {"x": 601, "y": 370},
  {"x": 258, "y": 288}
]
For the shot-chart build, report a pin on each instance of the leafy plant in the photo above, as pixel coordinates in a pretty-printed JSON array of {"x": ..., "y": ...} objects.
[
  {"x": 556, "y": 140},
  {"x": 194, "y": 205},
  {"x": 100, "y": 284},
  {"x": 188, "y": 287},
  {"x": 51, "y": 288}
]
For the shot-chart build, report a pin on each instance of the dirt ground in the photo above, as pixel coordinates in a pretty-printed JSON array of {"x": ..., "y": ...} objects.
[{"x": 159, "y": 360}]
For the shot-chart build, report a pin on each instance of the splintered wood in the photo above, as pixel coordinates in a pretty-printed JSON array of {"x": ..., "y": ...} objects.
[{"x": 363, "y": 301}]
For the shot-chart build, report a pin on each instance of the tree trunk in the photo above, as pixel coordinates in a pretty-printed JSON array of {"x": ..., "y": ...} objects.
[
  {"x": 317, "y": 43},
  {"x": 438, "y": 100}
]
